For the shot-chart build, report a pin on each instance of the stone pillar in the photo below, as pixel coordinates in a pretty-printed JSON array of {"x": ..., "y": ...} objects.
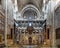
[
  {"x": 53, "y": 31},
  {"x": 53, "y": 38},
  {"x": 6, "y": 24}
]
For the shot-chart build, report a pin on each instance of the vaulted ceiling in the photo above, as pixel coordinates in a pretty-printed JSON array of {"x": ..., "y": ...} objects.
[{"x": 22, "y": 3}]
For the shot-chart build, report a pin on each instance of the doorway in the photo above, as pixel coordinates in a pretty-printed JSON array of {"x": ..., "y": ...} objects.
[{"x": 30, "y": 40}]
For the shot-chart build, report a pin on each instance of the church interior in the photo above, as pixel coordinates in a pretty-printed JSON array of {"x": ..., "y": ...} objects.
[{"x": 29, "y": 24}]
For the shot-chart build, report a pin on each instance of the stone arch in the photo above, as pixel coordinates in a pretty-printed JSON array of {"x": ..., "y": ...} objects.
[
  {"x": 57, "y": 17},
  {"x": 32, "y": 7},
  {"x": 58, "y": 4}
]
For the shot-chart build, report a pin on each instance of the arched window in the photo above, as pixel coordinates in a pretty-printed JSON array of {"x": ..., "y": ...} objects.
[{"x": 30, "y": 12}]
